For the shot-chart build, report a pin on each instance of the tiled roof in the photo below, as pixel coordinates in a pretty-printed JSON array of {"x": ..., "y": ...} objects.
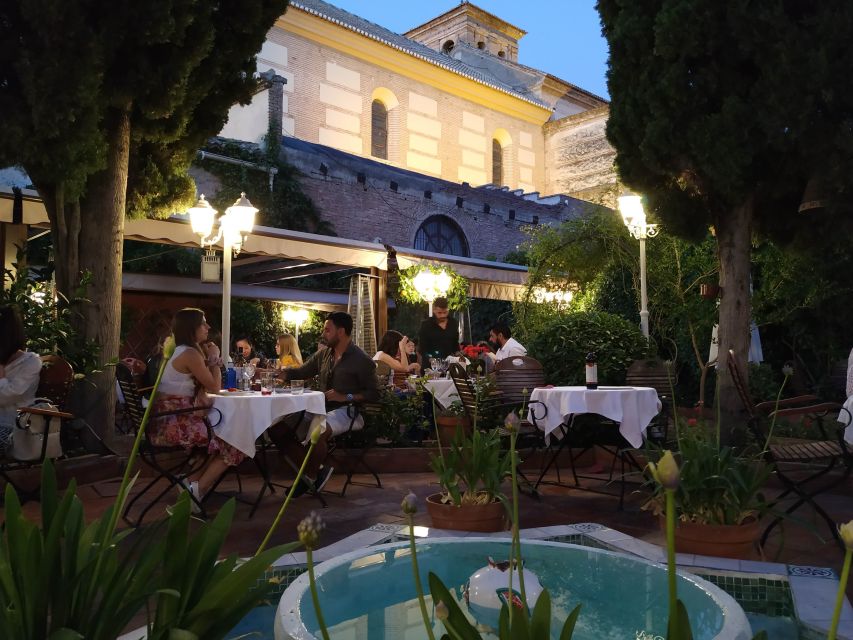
[{"x": 378, "y": 33}]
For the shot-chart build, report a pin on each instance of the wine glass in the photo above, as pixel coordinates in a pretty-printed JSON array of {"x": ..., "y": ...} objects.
[{"x": 248, "y": 374}]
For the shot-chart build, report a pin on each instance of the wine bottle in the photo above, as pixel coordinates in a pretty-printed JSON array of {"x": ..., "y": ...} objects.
[{"x": 591, "y": 371}]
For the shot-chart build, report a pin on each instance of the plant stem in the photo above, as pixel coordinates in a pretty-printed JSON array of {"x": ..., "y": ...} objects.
[
  {"x": 775, "y": 409},
  {"x": 315, "y": 597},
  {"x": 418, "y": 587},
  {"x": 516, "y": 536},
  {"x": 670, "y": 550},
  {"x": 839, "y": 599},
  {"x": 281, "y": 511}
]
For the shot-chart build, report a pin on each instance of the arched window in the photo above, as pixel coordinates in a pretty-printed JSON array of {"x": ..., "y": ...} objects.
[
  {"x": 440, "y": 234},
  {"x": 497, "y": 163},
  {"x": 447, "y": 47},
  {"x": 481, "y": 45},
  {"x": 379, "y": 130}
]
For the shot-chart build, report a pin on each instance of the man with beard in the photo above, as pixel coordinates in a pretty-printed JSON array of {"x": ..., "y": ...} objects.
[{"x": 347, "y": 376}]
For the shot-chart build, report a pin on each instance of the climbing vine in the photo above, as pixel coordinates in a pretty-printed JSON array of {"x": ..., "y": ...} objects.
[{"x": 457, "y": 294}]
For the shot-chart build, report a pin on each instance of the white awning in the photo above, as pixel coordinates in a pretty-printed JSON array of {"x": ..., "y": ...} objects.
[{"x": 493, "y": 280}]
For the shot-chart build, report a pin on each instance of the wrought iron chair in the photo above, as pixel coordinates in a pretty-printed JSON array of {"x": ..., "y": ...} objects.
[
  {"x": 349, "y": 449},
  {"x": 821, "y": 457},
  {"x": 168, "y": 462},
  {"x": 42, "y": 425}
]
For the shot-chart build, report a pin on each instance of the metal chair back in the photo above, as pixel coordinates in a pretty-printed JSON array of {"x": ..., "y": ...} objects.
[{"x": 517, "y": 376}]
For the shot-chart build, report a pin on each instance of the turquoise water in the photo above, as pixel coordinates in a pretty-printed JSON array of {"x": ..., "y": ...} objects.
[
  {"x": 776, "y": 628},
  {"x": 374, "y": 597}
]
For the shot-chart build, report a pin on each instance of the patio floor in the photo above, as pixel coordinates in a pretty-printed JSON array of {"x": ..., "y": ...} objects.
[{"x": 364, "y": 506}]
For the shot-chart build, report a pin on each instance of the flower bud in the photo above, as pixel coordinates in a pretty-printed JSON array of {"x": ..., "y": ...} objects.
[
  {"x": 309, "y": 530},
  {"x": 512, "y": 422},
  {"x": 410, "y": 504},
  {"x": 846, "y": 532},
  {"x": 666, "y": 471},
  {"x": 441, "y": 611},
  {"x": 168, "y": 347},
  {"x": 318, "y": 431},
  {"x": 788, "y": 370}
]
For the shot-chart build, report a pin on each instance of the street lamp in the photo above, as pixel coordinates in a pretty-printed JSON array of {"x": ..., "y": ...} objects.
[
  {"x": 234, "y": 228},
  {"x": 296, "y": 316},
  {"x": 432, "y": 285},
  {"x": 634, "y": 217}
]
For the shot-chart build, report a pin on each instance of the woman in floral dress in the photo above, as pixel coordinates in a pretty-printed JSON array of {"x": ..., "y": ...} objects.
[{"x": 189, "y": 373}]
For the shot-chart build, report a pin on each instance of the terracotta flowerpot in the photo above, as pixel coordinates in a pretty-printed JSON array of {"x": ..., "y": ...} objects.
[
  {"x": 446, "y": 426},
  {"x": 723, "y": 540},
  {"x": 469, "y": 517}
]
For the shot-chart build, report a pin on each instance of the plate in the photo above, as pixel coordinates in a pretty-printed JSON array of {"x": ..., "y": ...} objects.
[
  {"x": 281, "y": 390},
  {"x": 233, "y": 394}
]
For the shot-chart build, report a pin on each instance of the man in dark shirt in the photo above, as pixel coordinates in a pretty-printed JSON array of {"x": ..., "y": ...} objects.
[
  {"x": 347, "y": 376},
  {"x": 439, "y": 335}
]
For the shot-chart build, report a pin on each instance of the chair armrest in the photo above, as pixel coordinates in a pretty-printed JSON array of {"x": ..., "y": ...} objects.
[
  {"x": 814, "y": 409},
  {"x": 770, "y": 405},
  {"x": 53, "y": 413}
]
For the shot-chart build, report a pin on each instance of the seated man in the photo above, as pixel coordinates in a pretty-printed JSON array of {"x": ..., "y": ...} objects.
[
  {"x": 501, "y": 336},
  {"x": 347, "y": 376}
]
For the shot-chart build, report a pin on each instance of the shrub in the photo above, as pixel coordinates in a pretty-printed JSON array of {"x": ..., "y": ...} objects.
[{"x": 562, "y": 342}]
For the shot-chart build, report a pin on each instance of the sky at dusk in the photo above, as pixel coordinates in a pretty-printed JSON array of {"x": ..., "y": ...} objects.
[{"x": 563, "y": 36}]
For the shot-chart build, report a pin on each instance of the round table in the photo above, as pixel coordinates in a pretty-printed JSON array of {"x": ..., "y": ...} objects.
[
  {"x": 245, "y": 416},
  {"x": 443, "y": 390}
]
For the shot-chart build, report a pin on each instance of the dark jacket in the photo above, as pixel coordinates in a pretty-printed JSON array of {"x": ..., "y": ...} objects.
[
  {"x": 354, "y": 373},
  {"x": 433, "y": 341}
]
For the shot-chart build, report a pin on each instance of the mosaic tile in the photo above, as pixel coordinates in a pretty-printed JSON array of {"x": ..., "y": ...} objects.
[
  {"x": 587, "y": 527},
  {"x": 811, "y": 572},
  {"x": 755, "y": 595}
]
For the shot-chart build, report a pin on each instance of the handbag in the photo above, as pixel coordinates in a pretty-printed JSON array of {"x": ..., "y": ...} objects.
[{"x": 32, "y": 428}]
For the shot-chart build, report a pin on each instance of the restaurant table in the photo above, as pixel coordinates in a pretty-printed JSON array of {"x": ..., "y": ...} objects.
[
  {"x": 632, "y": 407},
  {"x": 245, "y": 416},
  {"x": 443, "y": 390}
]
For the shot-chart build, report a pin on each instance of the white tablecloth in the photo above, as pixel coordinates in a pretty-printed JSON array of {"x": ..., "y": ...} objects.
[
  {"x": 844, "y": 418},
  {"x": 632, "y": 407},
  {"x": 443, "y": 390},
  {"x": 245, "y": 417}
]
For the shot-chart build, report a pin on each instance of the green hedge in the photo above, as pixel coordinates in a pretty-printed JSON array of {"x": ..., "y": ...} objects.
[{"x": 562, "y": 342}]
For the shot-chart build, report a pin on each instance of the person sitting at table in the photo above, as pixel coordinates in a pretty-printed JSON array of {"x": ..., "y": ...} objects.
[
  {"x": 393, "y": 342},
  {"x": 347, "y": 376},
  {"x": 19, "y": 372},
  {"x": 439, "y": 335},
  {"x": 188, "y": 374},
  {"x": 246, "y": 354},
  {"x": 501, "y": 336},
  {"x": 287, "y": 350}
]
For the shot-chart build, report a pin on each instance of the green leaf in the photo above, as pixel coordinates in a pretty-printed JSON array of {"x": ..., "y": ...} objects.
[
  {"x": 679, "y": 624},
  {"x": 462, "y": 629},
  {"x": 569, "y": 625},
  {"x": 540, "y": 621}
]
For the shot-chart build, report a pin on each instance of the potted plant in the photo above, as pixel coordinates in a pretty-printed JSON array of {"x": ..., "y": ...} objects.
[
  {"x": 719, "y": 501},
  {"x": 470, "y": 471},
  {"x": 449, "y": 420}
]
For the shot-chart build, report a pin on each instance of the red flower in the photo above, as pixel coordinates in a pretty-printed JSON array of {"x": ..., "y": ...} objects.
[{"x": 691, "y": 422}]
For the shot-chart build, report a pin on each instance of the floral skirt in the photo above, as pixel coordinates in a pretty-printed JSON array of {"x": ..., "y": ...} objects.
[{"x": 187, "y": 430}]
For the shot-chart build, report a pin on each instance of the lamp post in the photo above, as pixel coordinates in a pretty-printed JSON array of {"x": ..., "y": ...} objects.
[
  {"x": 432, "y": 285},
  {"x": 234, "y": 228},
  {"x": 634, "y": 217}
]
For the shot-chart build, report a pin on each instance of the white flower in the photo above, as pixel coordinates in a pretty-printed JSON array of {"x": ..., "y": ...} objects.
[
  {"x": 309, "y": 530},
  {"x": 666, "y": 471}
]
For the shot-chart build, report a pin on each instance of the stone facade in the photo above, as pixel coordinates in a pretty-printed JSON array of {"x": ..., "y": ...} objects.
[
  {"x": 579, "y": 159},
  {"x": 375, "y": 202}
]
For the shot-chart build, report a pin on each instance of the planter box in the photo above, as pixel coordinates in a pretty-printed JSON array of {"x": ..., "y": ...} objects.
[{"x": 483, "y": 518}]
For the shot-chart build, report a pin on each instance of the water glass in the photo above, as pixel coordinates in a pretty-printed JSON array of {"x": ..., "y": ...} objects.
[
  {"x": 296, "y": 387},
  {"x": 266, "y": 384}
]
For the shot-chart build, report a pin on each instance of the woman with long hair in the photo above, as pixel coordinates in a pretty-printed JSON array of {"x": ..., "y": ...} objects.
[
  {"x": 189, "y": 373},
  {"x": 19, "y": 372},
  {"x": 393, "y": 355},
  {"x": 288, "y": 351}
]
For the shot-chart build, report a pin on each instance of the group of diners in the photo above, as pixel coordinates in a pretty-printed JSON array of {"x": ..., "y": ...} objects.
[{"x": 344, "y": 373}]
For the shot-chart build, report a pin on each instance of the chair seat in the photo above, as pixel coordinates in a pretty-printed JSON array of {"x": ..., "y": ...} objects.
[{"x": 807, "y": 451}]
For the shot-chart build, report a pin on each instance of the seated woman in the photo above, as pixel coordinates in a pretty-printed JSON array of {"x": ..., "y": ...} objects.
[
  {"x": 187, "y": 375},
  {"x": 19, "y": 372},
  {"x": 246, "y": 354},
  {"x": 288, "y": 351},
  {"x": 393, "y": 355}
]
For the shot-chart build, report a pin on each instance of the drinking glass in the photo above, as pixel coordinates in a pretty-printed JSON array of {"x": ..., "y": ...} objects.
[
  {"x": 266, "y": 384},
  {"x": 296, "y": 387},
  {"x": 248, "y": 374}
]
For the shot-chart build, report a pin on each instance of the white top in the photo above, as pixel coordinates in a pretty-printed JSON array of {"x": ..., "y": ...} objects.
[
  {"x": 173, "y": 381},
  {"x": 850, "y": 374},
  {"x": 512, "y": 347},
  {"x": 18, "y": 388},
  {"x": 632, "y": 407}
]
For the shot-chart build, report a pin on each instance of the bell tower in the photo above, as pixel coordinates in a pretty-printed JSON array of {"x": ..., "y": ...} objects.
[{"x": 473, "y": 26}]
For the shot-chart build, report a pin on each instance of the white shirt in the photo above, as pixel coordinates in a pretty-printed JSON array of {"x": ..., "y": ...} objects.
[
  {"x": 850, "y": 374},
  {"x": 18, "y": 388},
  {"x": 511, "y": 347},
  {"x": 173, "y": 381}
]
